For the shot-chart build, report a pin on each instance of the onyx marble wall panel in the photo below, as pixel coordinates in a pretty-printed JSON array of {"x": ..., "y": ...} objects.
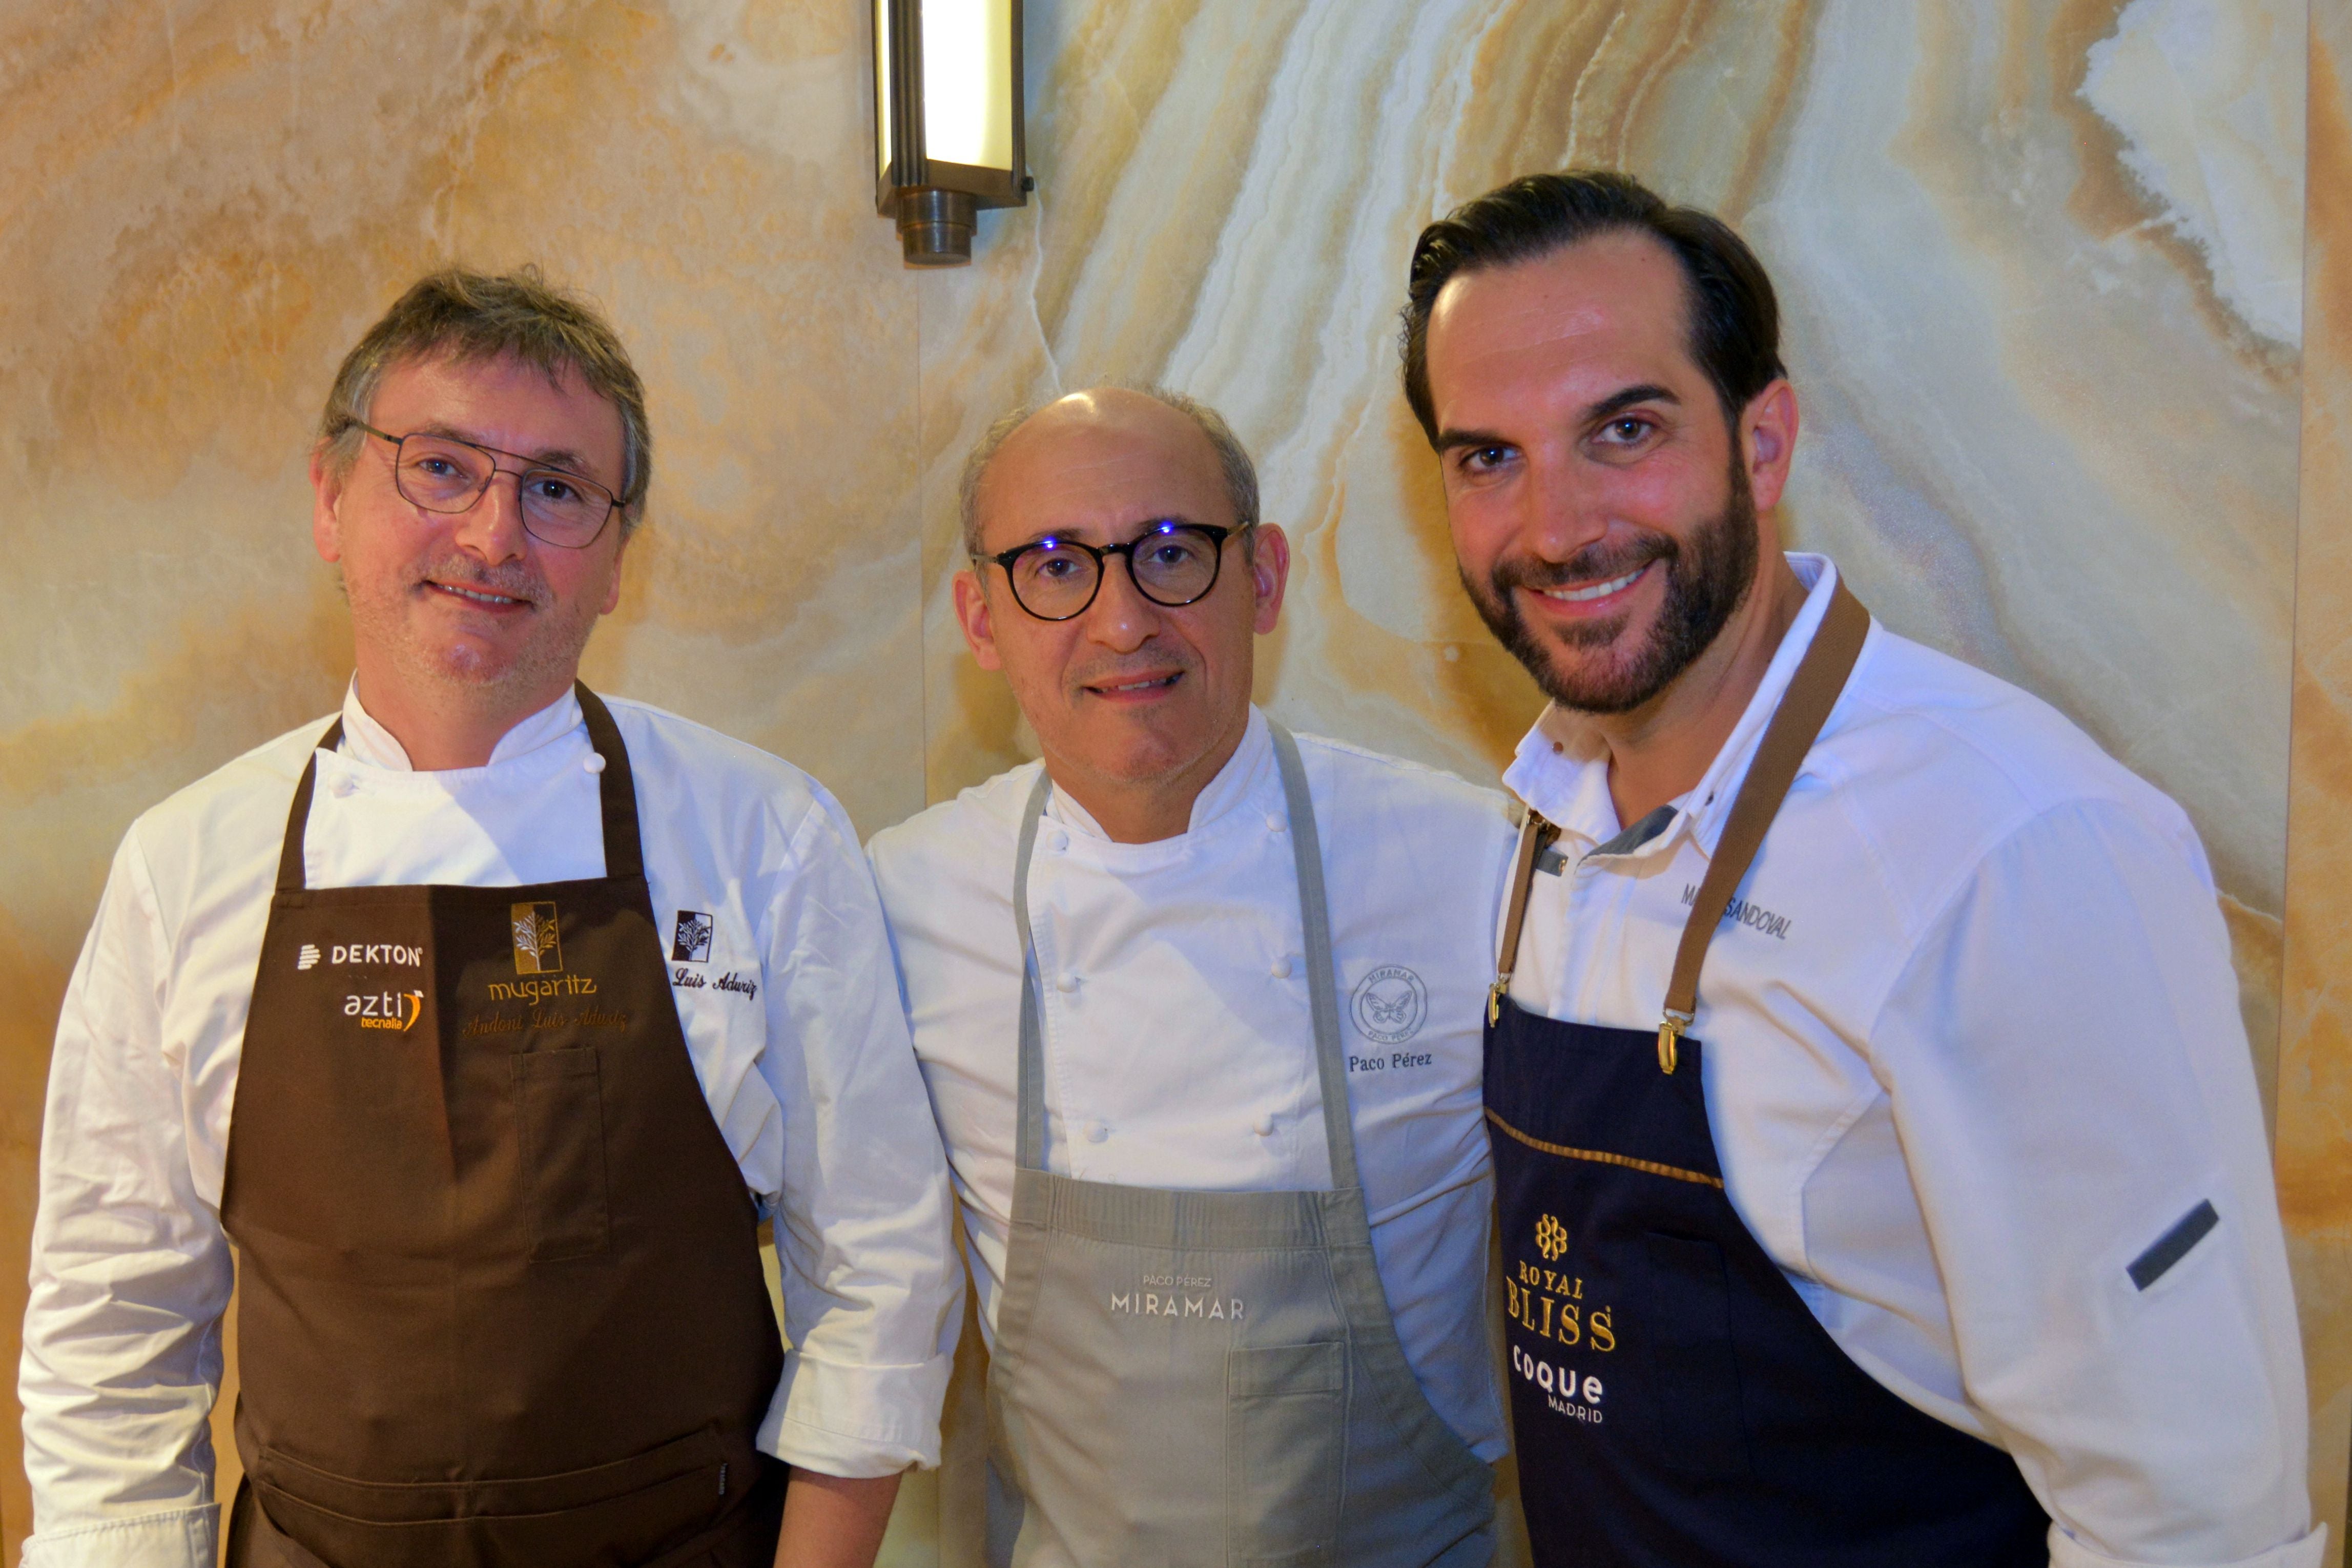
[{"x": 2044, "y": 265}]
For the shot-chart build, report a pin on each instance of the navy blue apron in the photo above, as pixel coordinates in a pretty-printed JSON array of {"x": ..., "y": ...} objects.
[{"x": 1676, "y": 1403}]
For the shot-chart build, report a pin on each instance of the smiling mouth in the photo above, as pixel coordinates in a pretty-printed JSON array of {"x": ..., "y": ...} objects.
[
  {"x": 480, "y": 596},
  {"x": 1598, "y": 590},
  {"x": 1138, "y": 688}
]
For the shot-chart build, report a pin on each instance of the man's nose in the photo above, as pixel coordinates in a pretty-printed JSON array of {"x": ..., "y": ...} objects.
[
  {"x": 1120, "y": 618},
  {"x": 1561, "y": 513},
  {"x": 492, "y": 529}
]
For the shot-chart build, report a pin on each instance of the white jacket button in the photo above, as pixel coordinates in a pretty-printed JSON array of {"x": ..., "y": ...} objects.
[
  {"x": 1262, "y": 1127},
  {"x": 1282, "y": 968},
  {"x": 1066, "y": 982},
  {"x": 1097, "y": 1133}
]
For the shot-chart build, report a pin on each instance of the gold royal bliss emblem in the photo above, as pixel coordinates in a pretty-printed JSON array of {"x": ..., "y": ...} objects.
[{"x": 536, "y": 948}]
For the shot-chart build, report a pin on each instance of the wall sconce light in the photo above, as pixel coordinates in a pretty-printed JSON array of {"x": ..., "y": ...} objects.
[{"x": 946, "y": 120}]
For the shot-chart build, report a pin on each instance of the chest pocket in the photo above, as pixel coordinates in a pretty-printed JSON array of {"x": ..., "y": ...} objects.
[{"x": 560, "y": 1115}]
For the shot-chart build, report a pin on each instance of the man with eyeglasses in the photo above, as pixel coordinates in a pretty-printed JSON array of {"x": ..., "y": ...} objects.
[
  {"x": 488, "y": 1022},
  {"x": 1199, "y": 1009}
]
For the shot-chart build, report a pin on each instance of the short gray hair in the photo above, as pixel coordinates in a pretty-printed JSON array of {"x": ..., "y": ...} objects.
[
  {"x": 474, "y": 316},
  {"x": 1233, "y": 460}
]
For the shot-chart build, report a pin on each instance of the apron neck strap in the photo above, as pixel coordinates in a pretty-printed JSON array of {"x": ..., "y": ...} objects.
[
  {"x": 1804, "y": 708},
  {"x": 1534, "y": 834},
  {"x": 1315, "y": 921},
  {"x": 1322, "y": 982},
  {"x": 1796, "y": 724},
  {"x": 297, "y": 817},
  {"x": 617, "y": 788},
  {"x": 1029, "y": 1140},
  {"x": 616, "y": 791}
]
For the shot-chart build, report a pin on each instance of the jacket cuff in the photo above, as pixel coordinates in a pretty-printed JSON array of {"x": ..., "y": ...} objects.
[
  {"x": 856, "y": 1422},
  {"x": 2065, "y": 1552},
  {"x": 173, "y": 1537}
]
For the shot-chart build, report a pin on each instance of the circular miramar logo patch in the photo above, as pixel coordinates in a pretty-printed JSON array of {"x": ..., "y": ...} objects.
[{"x": 1390, "y": 1004}]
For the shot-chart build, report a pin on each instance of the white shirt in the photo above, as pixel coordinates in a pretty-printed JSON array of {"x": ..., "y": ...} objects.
[
  {"x": 1179, "y": 1049},
  {"x": 1972, "y": 1047},
  {"x": 130, "y": 1267}
]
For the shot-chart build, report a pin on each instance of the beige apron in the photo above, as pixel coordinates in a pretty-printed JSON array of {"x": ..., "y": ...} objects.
[{"x": 1184, "y": 1379}]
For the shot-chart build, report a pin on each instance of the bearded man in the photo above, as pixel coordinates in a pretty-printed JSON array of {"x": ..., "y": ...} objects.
[{"x": 1889, "y": 1186}]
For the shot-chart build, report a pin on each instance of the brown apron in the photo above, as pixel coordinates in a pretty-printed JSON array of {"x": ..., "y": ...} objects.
[{"x": 501, "y": 1291}]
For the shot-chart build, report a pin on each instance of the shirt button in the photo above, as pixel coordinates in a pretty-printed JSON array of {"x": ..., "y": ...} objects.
[
  {"x": 1061, "y": 841},
  {"x": 344, "y": 784},
  {"x": 1262, "y": 1127},
  {"x": 1276, "y": 825},
  {"x": 1097, "y": 1133},
  {"x": 1067, "y": 982},
  {"x": 1282, "y": 968},
  {"x": 594, "y": 764}
]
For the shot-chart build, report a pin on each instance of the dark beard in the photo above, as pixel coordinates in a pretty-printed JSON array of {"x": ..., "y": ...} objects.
[{"x": 1707, "y": 576}]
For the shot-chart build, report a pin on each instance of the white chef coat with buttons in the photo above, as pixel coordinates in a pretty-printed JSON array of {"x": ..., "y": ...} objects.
[
  {"x": 781, "y": 971},
  {"x": 1179, "y": 1049},
  {"x": 1973, "y": 1049}
]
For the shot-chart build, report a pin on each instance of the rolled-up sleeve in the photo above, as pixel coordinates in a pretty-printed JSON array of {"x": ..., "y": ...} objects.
[
  {"x": 873, "y": 1285},
  {"x": 129, "y": 1271},
  {"x": 2072, "y": 1086}
]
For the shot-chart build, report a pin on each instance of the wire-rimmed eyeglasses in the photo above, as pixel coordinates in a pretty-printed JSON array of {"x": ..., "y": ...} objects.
[
  {"x": 442, "y": 474},
  {"x": 1170, "y": 563}
]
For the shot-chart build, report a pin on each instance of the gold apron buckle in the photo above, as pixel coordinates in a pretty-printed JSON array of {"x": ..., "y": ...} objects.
[{"x": 1670, "y": 1033}]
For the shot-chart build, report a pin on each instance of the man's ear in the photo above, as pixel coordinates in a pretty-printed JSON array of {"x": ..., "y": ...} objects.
[
  {"x": 1269, "y": 575},
  {"x": 326, "y": 494},
  {"x": 1768, "y": 429},
  {"x": 613, "y": 593},
  {"x": 977, "y": 617}
]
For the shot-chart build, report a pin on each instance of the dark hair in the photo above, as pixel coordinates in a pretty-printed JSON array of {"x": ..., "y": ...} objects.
[
  {"x": 473, "y": 316},
  {"x": 1735, "y": 322}
]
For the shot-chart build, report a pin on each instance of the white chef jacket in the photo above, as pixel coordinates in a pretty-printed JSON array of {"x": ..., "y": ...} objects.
[
  {"x": 130, "y": 1267},
  {"x": 1972, "y": 1047},
  {"x": 1179, "y": 1049}
]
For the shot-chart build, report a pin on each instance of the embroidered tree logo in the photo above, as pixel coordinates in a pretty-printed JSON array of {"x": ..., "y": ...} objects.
[
  {"x": 1551, "y": 1238},
  {"x": 536, "y": 949}
]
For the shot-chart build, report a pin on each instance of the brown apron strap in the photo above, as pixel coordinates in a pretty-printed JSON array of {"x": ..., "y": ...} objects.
[
  {"x": 290, "y": 878},
  {"x": 624, "y": 854},
  {"x": 1804, "y": 708},
  {"x": 1796, "y": 724},
  {"x": 616, "y": 790},
  {"x": 1533, "y": 835}
]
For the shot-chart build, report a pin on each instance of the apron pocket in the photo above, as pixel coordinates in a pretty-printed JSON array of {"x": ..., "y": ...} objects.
[
  {"x": 606, "y": 1516},
  {"x": 560, "y": 1112},
  {"x": 1693, "y": 1373},
  {"x": 1285, "y": 1426}
]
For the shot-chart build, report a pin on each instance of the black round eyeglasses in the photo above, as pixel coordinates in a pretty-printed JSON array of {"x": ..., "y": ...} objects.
[{"x": 1170, "y": 563}]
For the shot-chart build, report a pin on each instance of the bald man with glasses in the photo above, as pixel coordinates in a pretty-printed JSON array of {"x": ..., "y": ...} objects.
[{"x": 1198, "y": 1006}]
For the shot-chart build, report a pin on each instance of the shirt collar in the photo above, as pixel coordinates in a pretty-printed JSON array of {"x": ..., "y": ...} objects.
[
  {"x": 366, "y": 740},
  {"x": 1564, "y": 774},
  {"x": 1233, "y": 786}
]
